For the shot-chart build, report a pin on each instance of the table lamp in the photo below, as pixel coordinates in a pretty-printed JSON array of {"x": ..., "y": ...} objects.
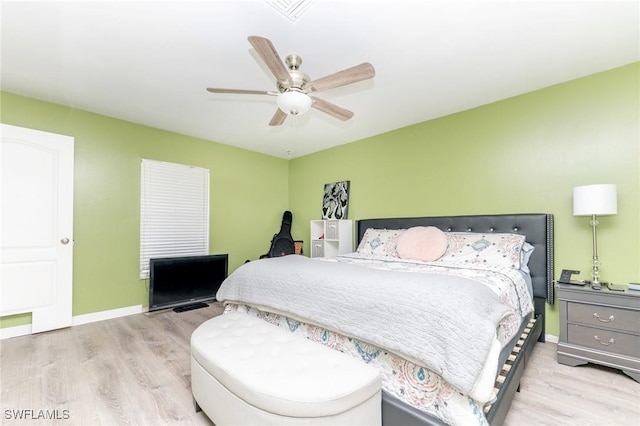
[{"x": 594, "y": 200}]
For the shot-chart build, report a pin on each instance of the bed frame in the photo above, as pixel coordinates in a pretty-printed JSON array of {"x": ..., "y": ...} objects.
[{"x": 538, "y": 228}]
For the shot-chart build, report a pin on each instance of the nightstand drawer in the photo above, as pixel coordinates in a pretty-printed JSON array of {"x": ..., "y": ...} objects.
[
  {"x": 604, "y": 316},
  {"x": 604, "y": 340}
]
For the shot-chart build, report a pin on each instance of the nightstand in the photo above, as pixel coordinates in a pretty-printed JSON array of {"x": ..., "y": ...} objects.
[{"x": 601, "y": 327}]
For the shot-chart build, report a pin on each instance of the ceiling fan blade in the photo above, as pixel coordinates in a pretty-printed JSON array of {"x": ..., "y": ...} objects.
[
  {"x": 360, "y": 72},
  {"x": 270, "y": 56},
  {"x": 241, "y": 92},
  {"x": 331, "y": 109},
  {"x": 278, "y": 118}
]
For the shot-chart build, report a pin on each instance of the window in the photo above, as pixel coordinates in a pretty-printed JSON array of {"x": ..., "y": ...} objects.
[{"x": 174, "y": 211}]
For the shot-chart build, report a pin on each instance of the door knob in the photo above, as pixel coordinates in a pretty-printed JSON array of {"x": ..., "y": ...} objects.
[{"x": 64, "y": 241}]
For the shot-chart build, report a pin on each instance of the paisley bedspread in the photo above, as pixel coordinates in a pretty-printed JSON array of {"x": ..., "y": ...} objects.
[
  {"x": 412, "y": 384},
  {"x": 405, "y": 377}
]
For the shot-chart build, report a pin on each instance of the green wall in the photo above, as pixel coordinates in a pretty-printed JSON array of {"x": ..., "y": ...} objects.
[
  {"x": 520, "y": 155},
  {"x": 246, "y": 209},
  {"x": 523, "y": 154}
]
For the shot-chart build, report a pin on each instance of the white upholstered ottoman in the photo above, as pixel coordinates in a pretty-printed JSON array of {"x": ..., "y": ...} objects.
[{"x": 245, "y": 371}]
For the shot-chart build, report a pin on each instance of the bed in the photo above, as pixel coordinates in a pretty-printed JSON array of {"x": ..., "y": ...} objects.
[{"x": 400, "y": 314}]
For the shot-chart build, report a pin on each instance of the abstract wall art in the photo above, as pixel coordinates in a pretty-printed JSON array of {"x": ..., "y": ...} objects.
[{"x": 336, "y": 200}]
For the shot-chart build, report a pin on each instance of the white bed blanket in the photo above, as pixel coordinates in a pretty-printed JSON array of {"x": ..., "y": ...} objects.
[{"x": 445, "y": 323}]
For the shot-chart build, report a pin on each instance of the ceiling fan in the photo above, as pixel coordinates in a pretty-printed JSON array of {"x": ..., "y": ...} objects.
[{"x": 295, "y": 87}]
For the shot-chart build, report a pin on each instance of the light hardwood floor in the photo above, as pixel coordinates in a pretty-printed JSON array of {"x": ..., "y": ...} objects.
[{"x": 135, "y": 370}]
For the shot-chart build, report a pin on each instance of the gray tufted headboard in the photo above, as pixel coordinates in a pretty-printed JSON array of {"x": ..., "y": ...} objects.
[{"x": 538, "y": 227}]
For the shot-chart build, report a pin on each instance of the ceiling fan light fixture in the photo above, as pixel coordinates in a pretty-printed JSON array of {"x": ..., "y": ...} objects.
[{"x": 294, "y": 102}]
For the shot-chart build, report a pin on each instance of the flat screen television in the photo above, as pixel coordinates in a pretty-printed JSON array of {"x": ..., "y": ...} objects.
[{"x": 185, "y": 283}]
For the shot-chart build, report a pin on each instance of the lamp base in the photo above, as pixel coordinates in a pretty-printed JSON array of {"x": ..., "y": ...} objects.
[{"x": 595, "y": 282}]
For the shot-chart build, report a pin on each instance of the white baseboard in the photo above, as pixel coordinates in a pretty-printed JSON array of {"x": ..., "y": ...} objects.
[
  {"x": 551, "y": 338},
  {"x": 23, "y": 330},
  {"x": 105, "y": 315},
  {"x": 17, "y": 331}
]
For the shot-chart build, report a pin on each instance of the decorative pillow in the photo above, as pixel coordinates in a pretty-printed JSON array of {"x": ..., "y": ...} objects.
[
  {"x": 426, "y": 243},
  {"x": 380, "y": 243},
  {"x": 527, "y": 249},
  {"x": 469, "y": 248}
]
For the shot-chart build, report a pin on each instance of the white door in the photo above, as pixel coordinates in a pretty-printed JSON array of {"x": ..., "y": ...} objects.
[{"x": 36, "y": 226}]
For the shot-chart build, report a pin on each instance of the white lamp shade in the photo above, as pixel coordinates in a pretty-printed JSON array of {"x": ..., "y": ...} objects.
[
  {"x": 294, "y": 103},
  {"x": 595, "y": 199}
]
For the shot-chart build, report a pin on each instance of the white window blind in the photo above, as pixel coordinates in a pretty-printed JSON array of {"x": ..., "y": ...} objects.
[{"x": 174, "y": 211}]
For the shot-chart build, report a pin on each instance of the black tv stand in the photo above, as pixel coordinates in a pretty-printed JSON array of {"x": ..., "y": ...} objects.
[{"x": 191, "y": 307}]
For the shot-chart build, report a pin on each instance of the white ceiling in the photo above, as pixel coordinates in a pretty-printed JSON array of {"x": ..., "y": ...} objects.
[{"x": 149, "y": 62}]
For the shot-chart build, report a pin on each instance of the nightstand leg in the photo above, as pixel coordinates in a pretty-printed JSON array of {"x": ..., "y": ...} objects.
[
  {"x": 634, "y": 375},
  {"x": 571, "y": 361}
]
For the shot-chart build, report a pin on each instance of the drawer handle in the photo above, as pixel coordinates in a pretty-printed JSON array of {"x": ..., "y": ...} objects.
[
  {"x": 609, "y": 343},
  {"x": 596, "y": 316}
]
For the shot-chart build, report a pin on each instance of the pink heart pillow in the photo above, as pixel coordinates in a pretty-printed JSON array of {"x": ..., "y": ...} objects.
[{"x": 426, "y": 243}]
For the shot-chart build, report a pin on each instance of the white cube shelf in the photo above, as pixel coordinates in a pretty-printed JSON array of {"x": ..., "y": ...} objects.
[{"x": 331, "y": 237}]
